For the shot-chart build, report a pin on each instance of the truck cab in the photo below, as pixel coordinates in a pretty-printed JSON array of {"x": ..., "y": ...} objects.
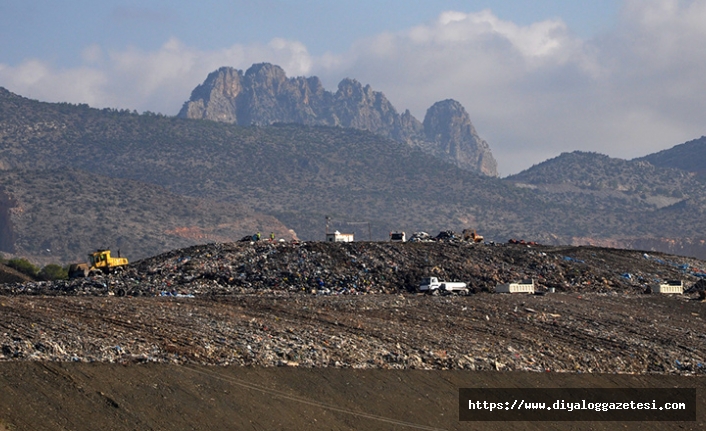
[{"x": 428, "y": 284}]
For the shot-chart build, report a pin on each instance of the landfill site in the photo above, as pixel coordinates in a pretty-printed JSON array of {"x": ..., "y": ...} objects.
[{"x": 328, "y": 335}]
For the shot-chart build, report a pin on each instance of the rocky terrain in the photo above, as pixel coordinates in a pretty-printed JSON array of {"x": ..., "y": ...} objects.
[{"x": 264, "y": 95}]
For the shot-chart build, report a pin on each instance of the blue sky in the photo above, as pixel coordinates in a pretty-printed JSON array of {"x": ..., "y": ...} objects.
[
  {"x": 60, "y": 30},
  {"x": 537, "y": 77}
]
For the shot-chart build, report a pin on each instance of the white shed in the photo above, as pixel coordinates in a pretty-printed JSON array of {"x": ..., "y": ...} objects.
[
  {"x": 339, "y": 237},
  {"x": 524, "y": 286},
  {"x": 671, "y": 286}
]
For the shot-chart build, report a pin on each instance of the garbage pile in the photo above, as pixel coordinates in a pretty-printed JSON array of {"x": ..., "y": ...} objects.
[
  {"x": 420, "y": 237},
  {"x": 375, "y": 267},
  {"x": 446, "y": 235},
  {"x": 355, "y": 305},
  {"x": 550, "y": 333}
]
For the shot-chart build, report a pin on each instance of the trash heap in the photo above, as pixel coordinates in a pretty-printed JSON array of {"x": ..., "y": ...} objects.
[
  {"x": 355, "y": 305},
  {"x": 570, "y": 332},
  {"x": 375, "y": 267}
]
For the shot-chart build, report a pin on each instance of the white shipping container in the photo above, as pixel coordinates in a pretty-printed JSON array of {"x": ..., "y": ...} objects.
[
  {"x": 339, "y": 237},
  {"x": 524, "y": 286},
  {"x": 671, "y": 287}
]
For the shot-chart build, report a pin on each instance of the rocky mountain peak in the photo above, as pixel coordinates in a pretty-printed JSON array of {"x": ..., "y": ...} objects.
[
  {"x": 265, "y": 69},
  {"x": 264, "y": 95},
  {"x": 449, "y": 127},
  {"x": 349, "y": 87},
  {"x": 266, "y": 75},
  {"x": 213, "y": 100}
]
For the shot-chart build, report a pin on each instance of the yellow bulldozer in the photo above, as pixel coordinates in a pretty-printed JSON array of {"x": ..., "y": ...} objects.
[{"x": 99, "y": 262}]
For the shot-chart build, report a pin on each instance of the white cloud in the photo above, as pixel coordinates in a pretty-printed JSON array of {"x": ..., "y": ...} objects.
[
  {"x": 541, "y": 39},
  {"x": 36, "y": 79},
  {"x": 532, "y": 91},
  {"x": 510, "y": 78},
  {"x": 159, "y": 81},
  {"x": 537, "y": 90}
]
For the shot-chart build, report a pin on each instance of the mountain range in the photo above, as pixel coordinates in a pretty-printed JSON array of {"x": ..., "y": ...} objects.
[
  {"x": 74, "y": 178},
  {"x": 263, "y": 95}
]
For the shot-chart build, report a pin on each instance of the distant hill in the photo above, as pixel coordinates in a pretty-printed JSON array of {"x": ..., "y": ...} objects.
[
  {"x": 593, "y": 172},
  {"x": 689, "y": 156},
  {"x": 641, "y": 205},
  {"x": 263, "y": 95},
  {"x": 298, "y": 175},
  {"x": 60, "y": 216}
]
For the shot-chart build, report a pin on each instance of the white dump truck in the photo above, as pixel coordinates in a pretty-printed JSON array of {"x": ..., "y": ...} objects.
[{"x": 433, "y": 285}]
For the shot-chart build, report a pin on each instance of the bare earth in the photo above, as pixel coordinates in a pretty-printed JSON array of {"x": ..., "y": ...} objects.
[{"x": 79, "y": 396}]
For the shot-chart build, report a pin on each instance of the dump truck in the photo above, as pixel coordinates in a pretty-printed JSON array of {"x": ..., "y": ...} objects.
[
  {"x": 99, "y": 262},
  {"x": 433, "y": 285}
]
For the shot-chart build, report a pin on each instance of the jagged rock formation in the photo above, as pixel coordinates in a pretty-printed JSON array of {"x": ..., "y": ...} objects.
[
  {"x": 448, "y": 128},
  {"x": 264, "y": 95}
]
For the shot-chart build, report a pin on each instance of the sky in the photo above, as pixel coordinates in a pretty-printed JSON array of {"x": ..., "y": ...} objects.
[{"x": 619, "y": 77}]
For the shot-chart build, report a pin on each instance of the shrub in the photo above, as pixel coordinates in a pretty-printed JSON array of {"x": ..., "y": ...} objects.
[
  {"x": 23, "y": 265},
  {"x": 53, "y": 272}
]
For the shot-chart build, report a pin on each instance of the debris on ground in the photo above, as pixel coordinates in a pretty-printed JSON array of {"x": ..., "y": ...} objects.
[{"x": 356, "y": 305}]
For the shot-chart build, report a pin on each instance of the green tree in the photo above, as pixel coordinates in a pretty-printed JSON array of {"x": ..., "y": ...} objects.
[
  {"x": 53, "y": 272},
  {"x": 23, "y": 265}
]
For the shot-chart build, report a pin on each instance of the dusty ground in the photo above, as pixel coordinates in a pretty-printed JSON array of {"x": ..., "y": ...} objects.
[
  {"x": 42, "y": 396},
  {"x": 256, "y": 352}
]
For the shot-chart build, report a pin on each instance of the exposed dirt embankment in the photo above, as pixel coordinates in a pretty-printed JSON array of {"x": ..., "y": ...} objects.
[
  {"x": 682, "y": 246},
  {"x": 10, "y": 275}
]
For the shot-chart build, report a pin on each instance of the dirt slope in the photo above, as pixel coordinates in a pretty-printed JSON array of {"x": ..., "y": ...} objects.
[{"x": 78, "y": 396}]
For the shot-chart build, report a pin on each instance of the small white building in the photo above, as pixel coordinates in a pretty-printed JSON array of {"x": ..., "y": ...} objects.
[
  {"x": 339, "y": 237},
  {"x": 398, "y": 236},
  {"x": 524, "y": 286},
  {"x": 671, "y": 286}
]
